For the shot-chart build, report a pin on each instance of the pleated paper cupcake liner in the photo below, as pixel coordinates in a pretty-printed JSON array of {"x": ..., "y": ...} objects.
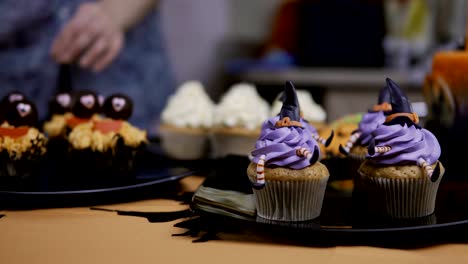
[
  {"x": 406, "y": 198},
  {"x": 184, "y": 146},
  {"x": 309, "y": 224},
  {"x": 223, "y": 145},
  {"x": 291, "y": 200}
]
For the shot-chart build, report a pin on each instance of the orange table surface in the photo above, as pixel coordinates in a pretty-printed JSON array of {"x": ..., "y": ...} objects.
[{"x": 81, "y": 235}]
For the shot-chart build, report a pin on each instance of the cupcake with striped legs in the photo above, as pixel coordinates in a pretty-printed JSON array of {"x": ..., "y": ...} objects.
[
  {"x": 402, "y": 170},
  {"x": 356, "y": 146},
  {"x": 287, "y": 177}
]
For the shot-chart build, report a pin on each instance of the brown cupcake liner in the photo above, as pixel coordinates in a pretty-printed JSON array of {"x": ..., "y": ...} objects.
[
  {"x": 405, "y": 198},
  {"x": 23, "y": 167},
  {"x": 291, "y": 200}
]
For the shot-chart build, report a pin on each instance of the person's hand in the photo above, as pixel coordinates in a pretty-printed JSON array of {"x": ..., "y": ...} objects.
[{"x": 90, "y": 39}]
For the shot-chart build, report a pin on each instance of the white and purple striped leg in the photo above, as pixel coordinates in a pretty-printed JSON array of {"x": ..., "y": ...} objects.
[
  {"x": 351, "y": 141},
  {"x": 260, "y": 176},
  {"x": 325, "y": 142},
  {"x": 304, "y": 152},
  {"x": 372, "y": 149},
  {"x": 383, "y": 149},
  {"x": 433, "y": 174}
]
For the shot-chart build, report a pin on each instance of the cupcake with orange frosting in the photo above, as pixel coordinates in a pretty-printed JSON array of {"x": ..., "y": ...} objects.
[
  {"x": 60, "y": 109},
  {"x": 108, "y": 144},
  {"x": 66, "y": 110},
  {"x": 22, "y": 145}
]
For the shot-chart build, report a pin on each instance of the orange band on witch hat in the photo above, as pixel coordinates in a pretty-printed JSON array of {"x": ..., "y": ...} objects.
[
  {"x": 287, "y": 122},
  {"x": 382, "y": 107},
  {"x": 413, "y": 116}
]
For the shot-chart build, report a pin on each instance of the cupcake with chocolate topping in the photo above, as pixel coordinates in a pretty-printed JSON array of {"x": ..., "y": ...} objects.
[
  {"x": 288, "y": 179},
  {"x": 22, "y": 145},
  {"x": 110, "y": 144},
  {"x": 66, "y": 110},
  {"x": 10, "y": 98},
  {"x": 59, "y": 111},
  {"x": 402, "y": 171},
  {"x": 7, "y": 100}
]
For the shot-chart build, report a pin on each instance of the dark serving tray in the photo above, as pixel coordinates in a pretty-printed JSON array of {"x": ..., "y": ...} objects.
[
  {"x": 342, "y": 220},
  {"x": 154, "y": 175}
]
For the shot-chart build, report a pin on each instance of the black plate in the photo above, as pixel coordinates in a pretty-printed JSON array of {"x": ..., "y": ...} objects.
[
  {"x": 154, "y": 176},
  {"x": 342, "y": 218}
]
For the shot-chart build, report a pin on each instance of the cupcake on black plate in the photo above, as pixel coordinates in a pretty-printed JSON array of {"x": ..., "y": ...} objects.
[
  {"x": 22, "y": 145},
  {"x": 60, "y": 110},
  {"x": 55, "y": 127},
  {"x": 108, "y": 145}
]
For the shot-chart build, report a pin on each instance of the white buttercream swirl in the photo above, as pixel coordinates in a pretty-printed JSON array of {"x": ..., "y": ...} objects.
[
  {"x": 190, "y": 106},
  {"x": 241, "y": 106},
  {"x": 310, "y": 109}
]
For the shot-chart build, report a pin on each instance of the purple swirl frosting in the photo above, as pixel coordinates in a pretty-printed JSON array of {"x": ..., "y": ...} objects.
[
  {"x": 408, "y": 144},
  {"x": 279, "y": 145},
  {"x": 368, "y": 124}
]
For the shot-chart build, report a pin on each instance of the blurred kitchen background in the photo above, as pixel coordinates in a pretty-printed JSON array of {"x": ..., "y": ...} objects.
[{"x": 339, "y": 50}]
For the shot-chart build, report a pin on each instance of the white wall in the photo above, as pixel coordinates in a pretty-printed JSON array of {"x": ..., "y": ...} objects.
[{"x": 202, "y": 34}]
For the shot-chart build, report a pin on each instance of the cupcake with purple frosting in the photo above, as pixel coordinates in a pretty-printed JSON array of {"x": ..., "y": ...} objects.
[
  {"x": 402, "y": 168},
  {"x": 356, "y": 147},
  {"x": 288, "y": 179}
]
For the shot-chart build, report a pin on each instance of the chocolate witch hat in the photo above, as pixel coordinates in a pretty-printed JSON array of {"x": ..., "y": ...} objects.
[
  {"x": 402, "y": 111},
  {"x": 383, "y": 103},
  {"x": 290, "y": 106},
  {"x": 384, "y": 95}
]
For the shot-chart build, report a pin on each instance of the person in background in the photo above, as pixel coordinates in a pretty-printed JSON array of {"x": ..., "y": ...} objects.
[{"x": 110, "y": 46}]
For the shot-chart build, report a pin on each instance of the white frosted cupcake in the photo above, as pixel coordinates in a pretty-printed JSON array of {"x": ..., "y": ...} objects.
[
  {"x": 237, "y": 120},
  {"x": 186, "y": 121}
]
